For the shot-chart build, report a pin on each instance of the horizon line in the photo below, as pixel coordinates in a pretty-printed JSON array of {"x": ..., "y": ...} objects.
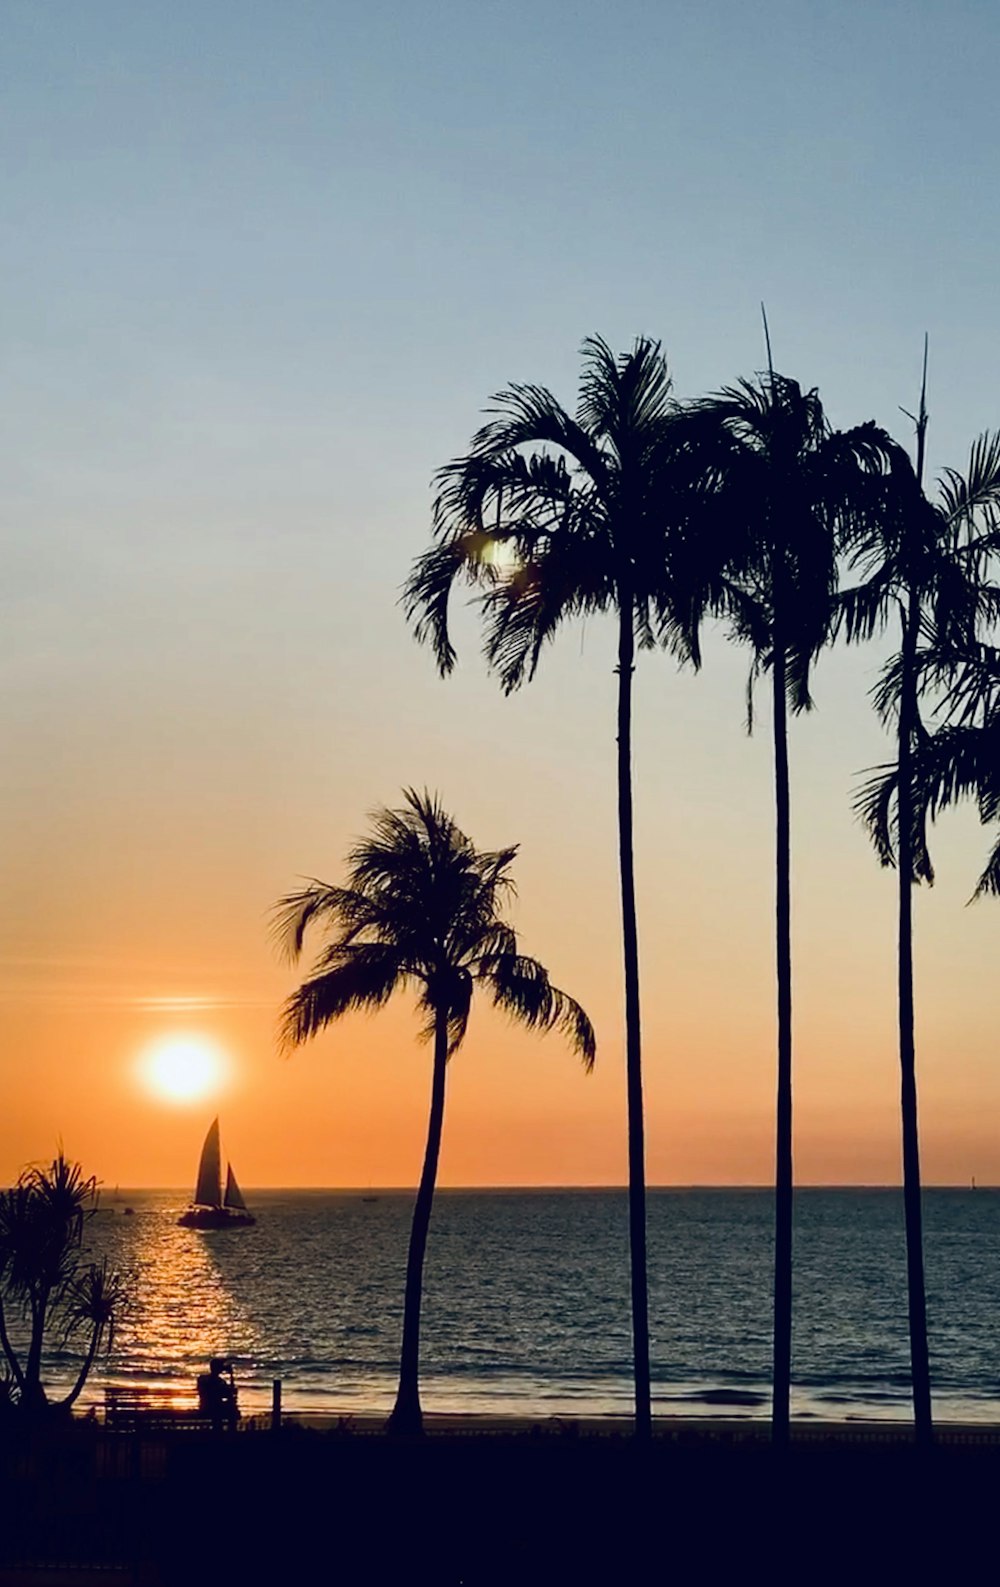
[{"x": 444, "y": 1190}]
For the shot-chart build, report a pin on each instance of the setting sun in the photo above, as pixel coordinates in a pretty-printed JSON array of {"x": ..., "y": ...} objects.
[{"x": 183, "y": 1068}]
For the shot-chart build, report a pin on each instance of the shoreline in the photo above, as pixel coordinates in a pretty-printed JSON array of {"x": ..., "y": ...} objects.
[{"x": 755, "y": 1431}]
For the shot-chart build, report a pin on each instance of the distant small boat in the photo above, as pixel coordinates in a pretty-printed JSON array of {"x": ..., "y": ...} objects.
[{"x": 211, "y": 1208}]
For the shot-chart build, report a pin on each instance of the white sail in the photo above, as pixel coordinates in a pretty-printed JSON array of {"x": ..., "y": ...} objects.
[
  {"x": 234, "y": 1195},
  {"x": 208, "y": 1190}
]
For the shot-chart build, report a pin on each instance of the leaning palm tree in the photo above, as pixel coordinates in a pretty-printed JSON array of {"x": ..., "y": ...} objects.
[
  {"x": 422, "y": 908},
  {"x": 924, "y": 562},
  {"x": 552, "y": 517},
  {"x": 788, "y": 488}
]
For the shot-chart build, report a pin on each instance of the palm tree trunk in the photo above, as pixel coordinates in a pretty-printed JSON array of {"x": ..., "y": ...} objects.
[
  {"x": 782, "y": 1369},
  {"x": 633, "y": 1047},
  {"x": 912, "y": 1211},
  {"x": 407, "y": 1416}
]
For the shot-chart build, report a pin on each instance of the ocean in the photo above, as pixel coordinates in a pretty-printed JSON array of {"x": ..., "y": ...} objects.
[{"x": 526, "y": 1301}]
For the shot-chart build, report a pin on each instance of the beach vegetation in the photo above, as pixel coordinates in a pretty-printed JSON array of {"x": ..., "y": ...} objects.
[
  {"x": 552, "y": 516},
  {"x": 422, "y": 909},
  {"x": 782, "y": 490},
  {"x": 925, "y": 565},
  {"x": 48, "y": 1290}
]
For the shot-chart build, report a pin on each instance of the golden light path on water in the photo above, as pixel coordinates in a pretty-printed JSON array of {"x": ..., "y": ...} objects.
[{"x": 183, "y": 1308}]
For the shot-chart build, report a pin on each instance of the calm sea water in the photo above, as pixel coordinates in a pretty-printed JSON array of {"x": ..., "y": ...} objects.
[{"x": 526, "y": 1305}]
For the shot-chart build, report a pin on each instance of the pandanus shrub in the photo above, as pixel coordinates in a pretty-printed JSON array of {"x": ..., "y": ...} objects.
[{"x": 49, "y": 1293}]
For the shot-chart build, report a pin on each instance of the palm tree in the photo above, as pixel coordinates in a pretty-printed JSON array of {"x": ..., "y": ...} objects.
[
  {"x": 553, "y": 517},
  {"x": 926, "y": 563},
  {"x": 422, "y": 908},
  {"x": 788, "y": 488}
]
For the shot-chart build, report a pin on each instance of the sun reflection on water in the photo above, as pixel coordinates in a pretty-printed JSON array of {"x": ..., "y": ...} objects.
[{"x": 184, "y": 1310}]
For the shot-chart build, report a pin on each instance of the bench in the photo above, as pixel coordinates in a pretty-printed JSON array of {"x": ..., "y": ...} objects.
[{"x": 153, "y": 1410}]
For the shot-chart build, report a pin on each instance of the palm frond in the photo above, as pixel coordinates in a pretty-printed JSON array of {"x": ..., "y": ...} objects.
[
  {"x": 876, "y": 805},
  {"x": 886, "y": 691},
  {"x": 798, "y": 664},
  {"x": 989, "y": 882},
  {"x": 427, "y": 592},
  {"x": 296, "y": 912},
  {"x": 567, "y": 577},
  {"x": 96, "y": 1299},
  {"x": 626, "y": 397},
  {"x": 362, "y": 976},
  {"x": 521, "y": 987},
  {"x": 530, "y": 416},
  {"x": 863, "y": 610},
  {"x": 963, "y": 496}
]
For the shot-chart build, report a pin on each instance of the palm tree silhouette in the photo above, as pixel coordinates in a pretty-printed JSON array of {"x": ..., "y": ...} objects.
[
  {"x": 44, "y": 1277},
  {"x": 787, "y": 487},
  {"x": 553, "y": 517},
  {"x": 927, "y": 563},
  {"x": 422, "y": 908}
]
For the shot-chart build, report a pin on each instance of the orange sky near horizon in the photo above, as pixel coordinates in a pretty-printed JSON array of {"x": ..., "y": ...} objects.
[{"x": 124, "y": 929}]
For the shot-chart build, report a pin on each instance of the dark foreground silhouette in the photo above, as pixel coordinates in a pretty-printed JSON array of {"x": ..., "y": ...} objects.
[
  {"x": 217, "y": 1393},
  {"x": 425, "y": 909},
  {"x": 484, "y": 1509}
]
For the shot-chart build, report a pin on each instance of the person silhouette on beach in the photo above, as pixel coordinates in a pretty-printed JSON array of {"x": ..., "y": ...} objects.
[{"x": 217, "y": 1394}]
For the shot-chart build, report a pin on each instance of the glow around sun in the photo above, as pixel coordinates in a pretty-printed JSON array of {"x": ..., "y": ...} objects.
[{"x": 183, "y": 1068}]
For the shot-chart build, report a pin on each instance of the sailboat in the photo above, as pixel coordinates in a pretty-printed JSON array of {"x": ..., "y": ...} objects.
[{"x": 213, "y": 1208}]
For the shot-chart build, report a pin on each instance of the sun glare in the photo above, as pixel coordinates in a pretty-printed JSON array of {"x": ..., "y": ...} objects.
[
  {"x": 183, "y": 1068},
  {"x": 499, "y": 554}
]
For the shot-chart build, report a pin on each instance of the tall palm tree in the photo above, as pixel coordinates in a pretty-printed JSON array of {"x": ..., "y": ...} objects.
[
  {"x": 788, "y": 488},
  {"x": 422, "y": 908},
  {"x": 925, "y": 563},
  {"x": 552, "y": 517}
]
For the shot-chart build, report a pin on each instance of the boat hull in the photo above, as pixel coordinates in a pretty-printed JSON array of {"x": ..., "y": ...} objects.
[{"x": 215, "y": 1218}]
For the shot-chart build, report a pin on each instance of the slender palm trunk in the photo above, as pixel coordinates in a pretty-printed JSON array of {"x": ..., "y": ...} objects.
[
  {"x": 633, "y": 1047},
  {"x": 782, "y": 1369},
  {"x": 919, "y": 1363},
  {"x": 407, "y": 1416}
]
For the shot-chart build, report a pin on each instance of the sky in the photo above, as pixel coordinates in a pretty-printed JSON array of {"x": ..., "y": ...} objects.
[{"x": 262, "y": 267}]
